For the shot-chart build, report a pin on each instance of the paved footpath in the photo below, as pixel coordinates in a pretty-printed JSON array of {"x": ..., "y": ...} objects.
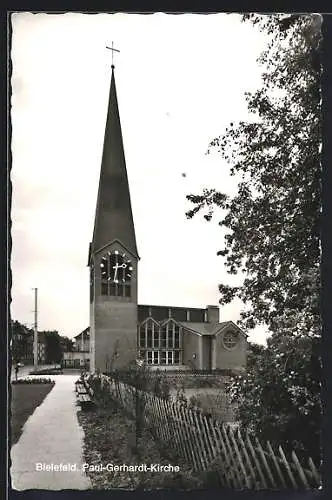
[{"x": 51, "y": 437}]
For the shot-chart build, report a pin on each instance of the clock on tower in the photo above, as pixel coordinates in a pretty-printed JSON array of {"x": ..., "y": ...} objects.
[{"x": 116, "y": 274}]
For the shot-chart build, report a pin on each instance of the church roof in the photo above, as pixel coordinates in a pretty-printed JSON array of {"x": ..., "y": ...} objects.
[
  {"x": 199, "y": 328},
  {"x": 203, "y": 328},
  {"x": 113, "y": 218},
  {"x": 210, "y": 329},
  {"x": 85, "y": 332}
]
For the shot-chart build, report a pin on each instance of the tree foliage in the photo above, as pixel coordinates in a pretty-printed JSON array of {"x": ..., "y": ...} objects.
[
  {"x": 53, "y": 350},
  {"x": 20, "y": 341},
  {"x": 272, "y": 227},
  {"x": 67, "y": 344},
  {"x": 273, "y": 221},
  {"x": 279, "y": 397}
]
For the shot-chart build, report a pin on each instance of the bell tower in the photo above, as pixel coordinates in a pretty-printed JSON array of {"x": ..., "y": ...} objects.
[{"x": 113, "y": 256}]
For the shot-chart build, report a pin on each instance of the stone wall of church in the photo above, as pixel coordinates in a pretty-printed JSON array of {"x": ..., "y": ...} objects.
[
  {"x": 206, "y": 352},
  {"x": 114, "y": 321},
  {"x": 92, "y": 339},
  {"x": 115, "y": 334},
  {"x": 234, "y": 359},
  {"x": 191, "y": 349}
]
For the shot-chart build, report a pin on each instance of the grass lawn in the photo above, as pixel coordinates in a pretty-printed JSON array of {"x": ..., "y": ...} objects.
[{"x": 24, "y": 400}]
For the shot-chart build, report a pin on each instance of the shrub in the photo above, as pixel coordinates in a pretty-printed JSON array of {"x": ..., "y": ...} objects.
[
  {"x": 47, "y": 371},
  {"x": 33, "y": 381}
]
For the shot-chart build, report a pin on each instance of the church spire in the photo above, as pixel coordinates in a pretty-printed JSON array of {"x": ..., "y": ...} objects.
[{"x": 113, "y": 219}]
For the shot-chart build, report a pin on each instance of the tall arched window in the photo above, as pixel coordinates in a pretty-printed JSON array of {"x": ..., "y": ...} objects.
[
  {"x": 160, "y": 345},
  {"x": 116, "y": 271}
]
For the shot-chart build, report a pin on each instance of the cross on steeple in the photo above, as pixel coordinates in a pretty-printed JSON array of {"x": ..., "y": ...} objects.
[{"x": 113, "y": 50}]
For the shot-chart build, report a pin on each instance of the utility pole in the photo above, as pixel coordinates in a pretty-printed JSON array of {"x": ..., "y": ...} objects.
[{"x": 35, "y": 336}]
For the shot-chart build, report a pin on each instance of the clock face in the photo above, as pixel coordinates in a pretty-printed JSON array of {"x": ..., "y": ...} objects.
[{"x": 116, "y": 267}]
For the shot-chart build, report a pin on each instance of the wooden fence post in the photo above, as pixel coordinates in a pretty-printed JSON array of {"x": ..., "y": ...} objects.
[
  {"x": 253, "y": 454},
  {"x": 222, "y": 457},
  {"x": 234, "y": 462},
  {"x": 300, "y": 470},
  {"x": 208, "y": 426},
  {"x": 290, "y": 474},
  {"x": 187, "y": 440},
  {"x": 177, "y": 427},
  {"x": 208, "y": 447},
  {"x": 203, "y": 453},
  {"x": 276, "y": 464},
  {"x": 161, "y": 424},
  {"x": 244, "y": 449},
  {"x": 267, "y": 468},
  {"x": 245, "y": 480},
  {"x": 314, "y": 471}
]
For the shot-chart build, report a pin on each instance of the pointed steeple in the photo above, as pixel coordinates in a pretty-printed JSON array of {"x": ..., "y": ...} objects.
[{"x": 113, "y": 219}]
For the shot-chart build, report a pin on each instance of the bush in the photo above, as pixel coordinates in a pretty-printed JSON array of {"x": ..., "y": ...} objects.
[
  {"x": 47, "y": 371},
  {"x": 279, "y": 398},
  {"x": 144, "y": 379},
  {"x": 33, "y": 381}
]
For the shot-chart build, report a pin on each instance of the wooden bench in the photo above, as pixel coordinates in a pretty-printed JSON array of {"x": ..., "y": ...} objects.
[
  {"x": 85, "y": 401},
  {"x": 90, "y": 390},
  {"x": 80, "y": 389}
]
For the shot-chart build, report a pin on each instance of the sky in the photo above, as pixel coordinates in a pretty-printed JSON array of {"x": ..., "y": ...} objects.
[{"x": 180, "y": 81}]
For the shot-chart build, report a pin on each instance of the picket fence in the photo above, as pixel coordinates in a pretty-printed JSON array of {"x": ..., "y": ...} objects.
[{"x": 240, "y": 462}]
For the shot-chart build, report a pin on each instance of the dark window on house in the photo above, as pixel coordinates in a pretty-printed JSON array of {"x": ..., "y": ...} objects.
[
  {"x": 142, "y": 336},
  {"x": 155, "y": 357},
  {"x": 170, "y": 328},
  {"x": 197, "y": 315},
  {"x": 155, "y": 336},
  {"x": 176, "y": 337},
  {"x": 143, "y": 313},
  {"x": 149, "y": 338},
  {"x": 159, "y": 313},
  {"x": 163, "y": 337},
  {"x": 179, "y": 314}
]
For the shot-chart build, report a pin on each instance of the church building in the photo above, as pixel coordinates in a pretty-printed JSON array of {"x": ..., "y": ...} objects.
[{"x": 121, "y": 330}]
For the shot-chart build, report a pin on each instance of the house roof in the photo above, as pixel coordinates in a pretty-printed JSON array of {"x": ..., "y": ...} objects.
[
  {"x": 85, "y": 332},
  {"x": 202, "y": 328},
  {"x": 198, "y": 328},
  {"x": 172, "y": 307},
  {"x": 40, "y": 336},
  {"x": 210, "y": 329}
]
